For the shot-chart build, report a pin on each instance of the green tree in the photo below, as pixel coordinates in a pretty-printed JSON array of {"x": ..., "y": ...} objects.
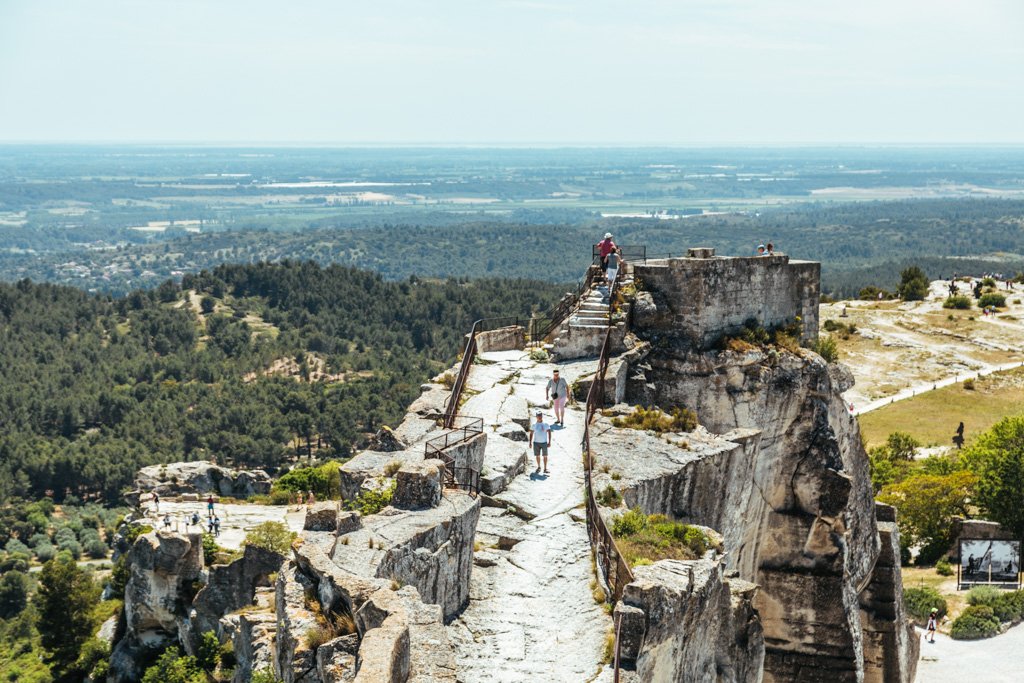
[
  {"x": 274, "y": 536},
  {"x": 927, "y": 505},
  {"x": 172, "y": 667},
  {"x": 913, "y": 284},
  {"x": 997, "y": 457},
  {"x": 13, "y": 594},
  {"x": 65, "y": 601}
]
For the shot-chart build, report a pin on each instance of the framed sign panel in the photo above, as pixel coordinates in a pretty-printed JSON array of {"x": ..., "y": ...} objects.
[{"x": 988, "y": 562}]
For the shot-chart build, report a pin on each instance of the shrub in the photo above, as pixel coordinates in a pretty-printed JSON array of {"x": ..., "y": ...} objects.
[
  {"x": 988, "y": 282},
  {"x": 273, "y": 536},
  {"x": 1006, "y": 605},
  {"x": 958, "y": 301},
  {"x": 653, "y": 419},
  {"x": 976, "y": 621},
  {"x": 540, "y": 356},
  {"x": 324, "y": 481},
  {"x": 372, "y": 501},
  {"x": 913, "y": 284},
  {"x": 656, "y": 536},
  {"x": 208, "y": 653},
  {"x": 45, "y": 552},
  {"x": 920, "y": 601},
  {"x": 992, "y": 299},
  {"x": 96, "y": 549},
  {"x": 969, "y": 384},
  {"x": 264, "y": 676},
  {"x": 210, "y": 548},
  {"x": 827, "y": 348},
  {"x": 629, "y": 523},
  {"x": 609, "y": 497},
  {"x": 942, "y": 568}
]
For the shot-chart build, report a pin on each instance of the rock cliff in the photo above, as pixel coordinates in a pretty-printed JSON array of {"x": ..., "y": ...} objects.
[{"x": 777, "y": 467}]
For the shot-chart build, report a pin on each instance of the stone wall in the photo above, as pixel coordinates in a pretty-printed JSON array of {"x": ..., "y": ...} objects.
[
  {"x": 702, "y": 299},
  {"x": 512, "y": 338}
]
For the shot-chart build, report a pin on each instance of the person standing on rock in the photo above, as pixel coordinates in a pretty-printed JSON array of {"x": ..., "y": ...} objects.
[
  {"x": 156, "y": 502},
  {"x": 605, "y": 247},
  {"x": 557, "y": 391},
  {"x": 540, "y": 439},
  {"x": 209, "y": 506}
]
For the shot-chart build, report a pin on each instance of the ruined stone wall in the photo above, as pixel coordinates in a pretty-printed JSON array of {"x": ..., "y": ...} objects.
[{"x": 702, "y": 299}]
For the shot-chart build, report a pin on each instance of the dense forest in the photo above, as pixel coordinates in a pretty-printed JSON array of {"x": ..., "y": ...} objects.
[{"x": 245, "y": 364}]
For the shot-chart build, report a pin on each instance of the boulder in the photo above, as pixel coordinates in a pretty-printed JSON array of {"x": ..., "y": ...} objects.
[
  {"x": 199, "y": 477},
  {"x": 418, "y": 485},
  {"x": 322, "y": 517},
  {"x": 386, "y": 441},
  {"x": 336, "y": 659},
  {"x": 513, "y": 431}
]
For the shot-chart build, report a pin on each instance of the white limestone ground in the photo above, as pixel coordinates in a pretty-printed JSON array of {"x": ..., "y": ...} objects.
[
  {"x": 906, "y": 348},
  {"x": 531, "y": 614},
  {"x": 235, "y": 519},
  {"x": 993, "y": 660}
]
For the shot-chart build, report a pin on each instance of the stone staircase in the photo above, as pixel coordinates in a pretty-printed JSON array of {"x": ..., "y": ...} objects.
[{"x": 584, "y": 329}]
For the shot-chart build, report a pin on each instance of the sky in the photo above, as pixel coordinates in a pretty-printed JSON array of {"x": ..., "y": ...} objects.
[{"x": 518, "y": 72}]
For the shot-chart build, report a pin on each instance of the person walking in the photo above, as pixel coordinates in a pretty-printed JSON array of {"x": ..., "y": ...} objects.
[
  {"x": 311, "y": 500},
  {"x": 209, "y": 505},
  {"x": 557, "y": 391},
  {"x": 540, "y": 439},
  {"x": 216, "y": 526},
  {"x": 614, "y": 261},
  {"x": 933, "y": 620},
  {"x": 605, "y": 247},
  {"x": 156, "y": 502}
]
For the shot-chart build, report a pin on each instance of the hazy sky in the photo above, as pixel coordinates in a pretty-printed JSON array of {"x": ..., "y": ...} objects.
[{"x": 513, "y": 71}]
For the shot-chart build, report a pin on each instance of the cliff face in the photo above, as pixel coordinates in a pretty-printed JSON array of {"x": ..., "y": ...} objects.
[{"x": 778, "y": 469}]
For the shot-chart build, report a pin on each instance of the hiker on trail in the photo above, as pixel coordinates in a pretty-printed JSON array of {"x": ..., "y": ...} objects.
[
  {"x": 209, "y": 505},
  {"x": 933, "y": 619},
  {"x": 167, "y": 521},
  {"x": 605, "y": 247},
  {"x": 209, "y": 523},
  {"x": 614, "y": 263},
  {"x": 216, "y": 526},
  {"x": 540, "y": 439},
  {"x": 311, "y": 500},
  {"x": 558, "y": 391},
  {"x": 770, "y": 249},
  {"x": 156, "y": 502},
  {"x": 760, "y": 250}
]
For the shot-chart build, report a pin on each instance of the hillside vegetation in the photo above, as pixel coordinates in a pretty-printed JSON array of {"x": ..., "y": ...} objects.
[{"x": 93, "y": 387}]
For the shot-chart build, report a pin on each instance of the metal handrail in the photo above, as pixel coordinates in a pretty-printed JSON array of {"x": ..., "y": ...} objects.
[{"x": 607, "y": 555}]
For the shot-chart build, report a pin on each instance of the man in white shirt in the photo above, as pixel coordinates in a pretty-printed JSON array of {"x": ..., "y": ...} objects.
[
  {"x": 540, "y": 439},
  {"x": 557, "y": 391}
]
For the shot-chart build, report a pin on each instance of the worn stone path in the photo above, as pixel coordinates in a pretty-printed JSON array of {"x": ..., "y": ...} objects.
[{"x": 532, "y": 615}]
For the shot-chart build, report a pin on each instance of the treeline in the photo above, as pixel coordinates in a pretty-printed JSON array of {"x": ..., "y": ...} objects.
[
  {"x": 858, "y": 244},
  {"x": 94, "y": 387}
]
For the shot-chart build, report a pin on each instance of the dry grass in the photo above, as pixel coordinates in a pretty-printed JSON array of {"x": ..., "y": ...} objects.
[{"x": 932, "y": 417}]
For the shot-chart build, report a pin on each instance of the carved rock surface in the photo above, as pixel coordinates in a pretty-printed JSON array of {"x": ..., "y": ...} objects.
[{"x": 418, "y": 485}]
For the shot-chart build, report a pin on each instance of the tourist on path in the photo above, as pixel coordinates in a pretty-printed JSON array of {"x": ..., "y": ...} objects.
[
  {"x": 540, "y": 439},
  {"x": 156, "y": 502},
  {"x": 209, "y": 506},
  {"x": 614, "y": 261},
  {"x": 770, "y": 250},
  {"x": 311, "y": 500},
  {"x": 932, "y": 625},
  {"x": 557, "y": 391},
  {"x": 760, "y": 250},
  {"x": 605, "y": 247}
]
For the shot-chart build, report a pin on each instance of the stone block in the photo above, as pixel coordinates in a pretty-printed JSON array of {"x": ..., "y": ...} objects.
[
  {"x": 349, "y": 521},
  {"x": 632, "y": 625},
  {"x": 336, "y": 659},
  {"x": 322, "y": 517},
  {"x": 418, "y": 485}
]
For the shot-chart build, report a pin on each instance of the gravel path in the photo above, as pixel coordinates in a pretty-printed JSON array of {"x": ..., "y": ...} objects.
[{"x": 994, "y": 660}]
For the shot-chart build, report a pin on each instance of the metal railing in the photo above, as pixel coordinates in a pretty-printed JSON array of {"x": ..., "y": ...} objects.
[
  {"x": 465, "y": 478},
  {"x": 636, "y": 252},
  {"x": 616, "y": 570}
]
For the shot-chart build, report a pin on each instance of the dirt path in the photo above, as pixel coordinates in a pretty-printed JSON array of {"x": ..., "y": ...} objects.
[{"x": 532, "y": 616}]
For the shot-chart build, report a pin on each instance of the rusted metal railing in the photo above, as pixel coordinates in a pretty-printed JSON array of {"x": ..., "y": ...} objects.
[{"x": 465, "y": 478}]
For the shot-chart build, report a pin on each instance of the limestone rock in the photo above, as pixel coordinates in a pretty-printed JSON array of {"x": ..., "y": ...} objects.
[
  {"x": 386, "y": 441},
  {"x": 418, "y": 485},
  {"x": 322, "y": 517},
  {"x": 691, "y": 631},
  {"x": 513, "y": 431},
  {"x": 201, "y": 477},
  {"x": 336, "y": 659}
]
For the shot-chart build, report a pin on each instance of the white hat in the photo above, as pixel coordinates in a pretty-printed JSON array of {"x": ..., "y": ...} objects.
[{"x": 607, "y": 235}]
